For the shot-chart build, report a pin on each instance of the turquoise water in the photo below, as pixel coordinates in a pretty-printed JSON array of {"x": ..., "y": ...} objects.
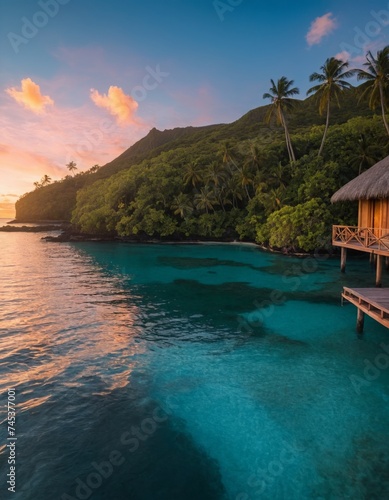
[{"x": 188, "y": 372}]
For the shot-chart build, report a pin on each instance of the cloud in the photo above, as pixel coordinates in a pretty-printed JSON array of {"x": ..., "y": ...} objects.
[
  {"x": 30, "y": 96},
  {"x": 118, "y": 104},
  {"x": 321, "y": 27},
  {"x": 34, "y": 145},
  {"x": 343, "y": 56}
]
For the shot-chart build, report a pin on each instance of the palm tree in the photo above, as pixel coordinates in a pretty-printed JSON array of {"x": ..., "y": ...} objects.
[
  {"x": 37, "y": 184},
  {"x": 253, "y": 159},
  {"x": 365, "y": 154},
  {"x": 278, "y": 174},
  {"x": 234, "y": 191},
  {"x": 206, "y": 199},
  {"x": 216, "y": 174},
  {"x": 331, "y": 85},
  {"x": 182, "y": 206},
  {"x": 245, "y": 179},
  {"x": 272, "y": 200},
  {"x": 45, "y": 180},
  {"x": 376, "y": 85},
  {"x": 192, "y": 174},
  {"x": 71, "y": 166},
  {"x": 228, "y": 159},
  {"x": 281, "y": 96}
]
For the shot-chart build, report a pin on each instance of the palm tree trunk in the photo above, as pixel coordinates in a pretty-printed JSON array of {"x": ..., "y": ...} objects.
[
  {"x": 287, "y": 141},
  {"x": 221, "y": 203},
  {"x": 287, "y": 138},
  {"x": 293, "y": 158},
  {"x": 382, "y": 97},
  {"x": 326, "y": 129}
]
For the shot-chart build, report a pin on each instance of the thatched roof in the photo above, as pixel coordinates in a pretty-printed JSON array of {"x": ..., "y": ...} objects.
[{"x": 372, "y": 184}]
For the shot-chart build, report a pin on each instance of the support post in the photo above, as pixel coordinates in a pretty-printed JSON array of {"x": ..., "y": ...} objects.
[
  {"x": 360, "y": 321},
  {"x": 343, "y": 258},
  {"x": 371, "y": 259},
  {"x": 378, "y": 279},
  {"x": 387, "y": 263}
]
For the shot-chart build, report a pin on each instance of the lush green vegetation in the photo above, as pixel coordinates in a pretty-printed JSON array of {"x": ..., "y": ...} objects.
[
  {"x": 241, "y": 189},
  {"x": 254, "y": 179}
]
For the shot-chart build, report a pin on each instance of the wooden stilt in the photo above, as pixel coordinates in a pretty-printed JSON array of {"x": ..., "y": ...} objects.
[
  {"x": 360, "y": 321},
  {"x": 343, "y": 258},
  {"x": 371, "y": 258},
  {"x": 387, "y": 263},
  {"x": 378, "y": 279}
]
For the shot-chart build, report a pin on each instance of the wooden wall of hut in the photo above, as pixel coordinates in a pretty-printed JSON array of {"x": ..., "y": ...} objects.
[{"x": 374, "y": 214}]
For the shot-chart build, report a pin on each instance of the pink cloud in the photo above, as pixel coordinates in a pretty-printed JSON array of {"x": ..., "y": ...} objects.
[
  {"x": 30, "y": 96},
  {"x": 118, "y": 104},
  {"x": 35, "y": 145},
  {"x": 321, "y": 27},
  {"x": 343, "y": 56}
]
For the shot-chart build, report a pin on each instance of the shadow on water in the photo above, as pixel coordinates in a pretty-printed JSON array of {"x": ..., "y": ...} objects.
[{"x": 152, "y": 455}]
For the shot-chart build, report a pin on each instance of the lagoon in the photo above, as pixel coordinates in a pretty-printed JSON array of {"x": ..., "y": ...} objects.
[{"x": 189, "y": 372}]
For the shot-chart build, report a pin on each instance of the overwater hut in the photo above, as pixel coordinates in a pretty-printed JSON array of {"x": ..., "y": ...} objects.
[{"x": 371, "y": 190}]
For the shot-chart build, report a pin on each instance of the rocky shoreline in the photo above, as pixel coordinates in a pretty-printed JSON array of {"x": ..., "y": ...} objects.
[
  {"x": 70, "y": 235},
  {"x": 31, "y": 229}
]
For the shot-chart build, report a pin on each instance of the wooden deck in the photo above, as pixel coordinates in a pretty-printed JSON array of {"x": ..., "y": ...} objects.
[
  {"x": 363, "y": 239},
  {"x": 371, "y": 301},
  {"x": 361, "y": 248}
]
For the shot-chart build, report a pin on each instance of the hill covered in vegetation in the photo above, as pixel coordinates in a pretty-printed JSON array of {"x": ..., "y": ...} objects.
[{"x": 224, "y": 181}]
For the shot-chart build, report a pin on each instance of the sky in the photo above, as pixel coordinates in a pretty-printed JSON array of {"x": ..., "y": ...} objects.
[{"x": 83, "y": 80}]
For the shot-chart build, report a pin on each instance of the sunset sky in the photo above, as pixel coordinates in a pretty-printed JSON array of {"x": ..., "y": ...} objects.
[{"x": 83, "y": 80}]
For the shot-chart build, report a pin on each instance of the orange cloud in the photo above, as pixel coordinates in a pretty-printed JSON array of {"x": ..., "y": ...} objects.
[
  {"x": 321, "y": 27},
  {"x": 34, "y": 145},
  {"x": 120, "y": 105},
  {"x": 30, "y": 96}
]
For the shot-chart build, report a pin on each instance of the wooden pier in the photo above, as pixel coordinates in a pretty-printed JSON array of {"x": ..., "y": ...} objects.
[{"x": 371, "y": 301}]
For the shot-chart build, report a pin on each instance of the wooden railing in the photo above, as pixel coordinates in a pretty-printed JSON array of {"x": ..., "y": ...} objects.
[{"x": 368, "y": 238}]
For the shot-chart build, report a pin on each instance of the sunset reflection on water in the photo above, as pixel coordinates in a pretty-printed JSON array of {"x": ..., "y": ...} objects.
[{"x": 51, "y": 296}]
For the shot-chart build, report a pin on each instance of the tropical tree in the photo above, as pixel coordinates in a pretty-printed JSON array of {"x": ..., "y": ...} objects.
[
  {"x": 45, "y": 180},
  {"x": 245, "y": 179},
  {"x": 280, "y": 95},
  {"x": 365, "y": 154},
  {"x": 192, "y": 174},
  {"x": 205, "y": 200},
  {"x": 94, "y": 169},
  {"x": 71, "y": 166},
  {"x": 227, "y": 156},
  {"x": 182, "y": 206},
  {"x": 215, "y": 174},
  {"x": 37, "y": 184},
  {"x": 253, "y": 159},
  {"x": 376, "y": 86},
  {"x": 331, "y": 85},
  {"x": 233, "y": 192}
]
